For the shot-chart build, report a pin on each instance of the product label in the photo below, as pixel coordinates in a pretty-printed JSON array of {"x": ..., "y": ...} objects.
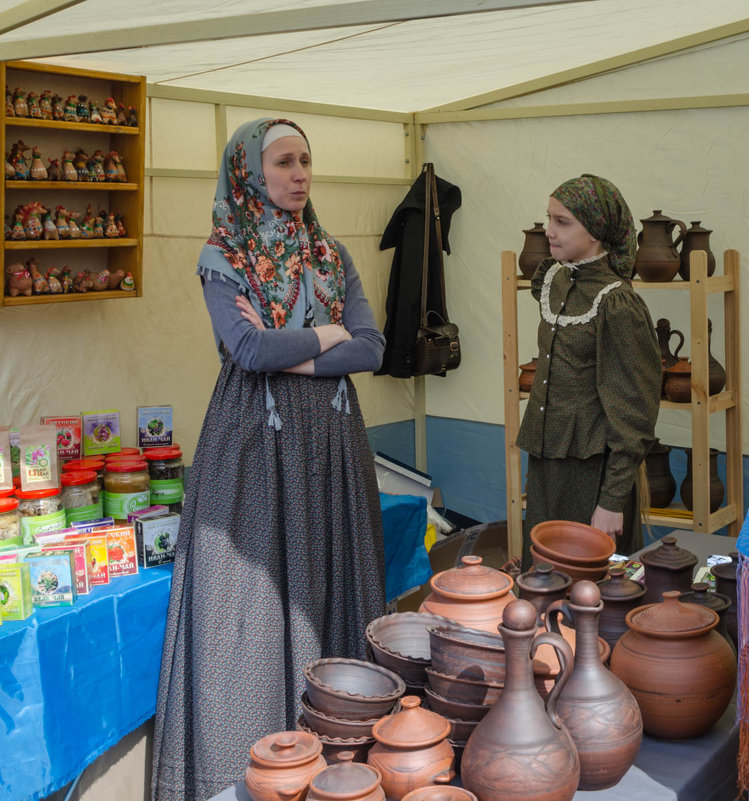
[
  {"x": 167, "y": 490},
  {"x": 122, "y": 555},
  {"x": 101, "y": 432},
  {"x": 38, "y": 463},
  {"x": 31, "y": 526},
  {"x": 155, "y": 425},
  {"x": 82, "y": 563},
  {"x": 157, "y": 539},
  {"x": 119, "y": 504},
  {"x": 68, "y": 435},
  {"x": 91, "y": 512}
]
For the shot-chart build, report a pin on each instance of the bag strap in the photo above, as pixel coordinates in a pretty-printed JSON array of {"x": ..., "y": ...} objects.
[{"x": 431, "y": 207}]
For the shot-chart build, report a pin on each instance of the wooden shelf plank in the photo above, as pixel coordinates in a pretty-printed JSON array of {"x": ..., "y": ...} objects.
[
  {"x": 81, "y": 72},
  {"x": 64, "y": 244},
  {"x": 32, "y": 300},
  {"x": 105, "y": 186},
  {"x": 82, "y": 127}
]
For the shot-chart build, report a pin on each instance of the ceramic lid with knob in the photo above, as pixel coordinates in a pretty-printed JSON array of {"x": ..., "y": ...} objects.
[
  {"x": 672, "y": 619},
  {"x": 617, "y": 587},
  {"x": 347, "y": 778},
  {"x": 412, "y": 727},
  {"x": 727, "y": 570},
  {"x": 286, "y": 749},
  {"x": 702, "y": 594},
  {"x": 472, "y": 580},
  {"x": 543, "y": 579},
  {"x": 669, "y": 556}
]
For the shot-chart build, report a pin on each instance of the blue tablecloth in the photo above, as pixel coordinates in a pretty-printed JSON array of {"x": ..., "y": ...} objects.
[{"x": 75, "y": 680}]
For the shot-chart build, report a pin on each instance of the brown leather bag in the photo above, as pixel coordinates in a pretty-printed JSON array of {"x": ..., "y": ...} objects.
[{"x": 437, "y": 346}]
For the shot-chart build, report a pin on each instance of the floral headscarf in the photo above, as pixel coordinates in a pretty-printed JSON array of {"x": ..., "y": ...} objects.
[
  {"x": 600, "y": 207},
  {"x": 287, "y": 261}
]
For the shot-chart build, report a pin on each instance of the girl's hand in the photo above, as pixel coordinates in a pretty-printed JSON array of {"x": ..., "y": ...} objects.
[
  {"x": 610, "y": 522},
  {"x": 249, "y": 314}
]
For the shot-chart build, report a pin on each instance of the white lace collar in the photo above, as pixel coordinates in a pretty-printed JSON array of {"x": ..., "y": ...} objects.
[
  {"x": 575, "y": 265},
  {"x": 566, "y": 319}
]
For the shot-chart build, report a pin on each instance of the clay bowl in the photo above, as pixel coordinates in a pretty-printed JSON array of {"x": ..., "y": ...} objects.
[
  {"x": 467, "y": 653},
  {"x": 572, "y": 543},
  {"x": 400, "y": 642},
  {"x": 575, "y": 572},
  {"x": 455, "y": 710},
  {"x": 436, "y": 792},
  {"x": 351, "y": 688},
  {"x": 330, "y": 726},
  {"x": 461, "y": 730},
  {"x": 467, "y": 690},
  {"x": 332, "y": 747}
]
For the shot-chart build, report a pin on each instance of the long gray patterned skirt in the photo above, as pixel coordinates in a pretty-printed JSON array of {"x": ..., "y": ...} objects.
[{"x": 279, "y": 561}]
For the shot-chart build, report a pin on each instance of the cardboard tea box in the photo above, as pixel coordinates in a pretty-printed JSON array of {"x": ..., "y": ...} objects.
[
  {"x": 156, "y": 536},
  {"x": 52, "y": 576},
  {"x": 15, "y": 590},
  {"x": 122, "y": 549},
  {"x": 82, "y": 562}
]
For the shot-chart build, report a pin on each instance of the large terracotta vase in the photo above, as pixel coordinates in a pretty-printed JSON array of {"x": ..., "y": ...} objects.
[
  {"x": 680, "y": 670},
  {"x": 521, "y": 749},
  {"x": 597, "y": 708},
  {"x": 620, "y": 595},
  {"x": 717, "y": 490},
  {"x": 535, "y": 250},
  {"x": 665, "y": 333},
  {"x": 660, "y": 479},
  {"x": 657, "y": 258},
  {"x": 667, "y": 567},
  {"x": 696, "y": 238}
]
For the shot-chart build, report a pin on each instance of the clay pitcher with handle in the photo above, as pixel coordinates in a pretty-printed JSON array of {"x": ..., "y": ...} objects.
[
  {"x": 657, "y": 258},
  {"x": 599, "y": 711},
  {"x": 521, "y": 749}
]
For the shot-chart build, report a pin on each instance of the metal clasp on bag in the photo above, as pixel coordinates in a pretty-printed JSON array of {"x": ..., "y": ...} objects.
[{"x": 454, "y": 347}]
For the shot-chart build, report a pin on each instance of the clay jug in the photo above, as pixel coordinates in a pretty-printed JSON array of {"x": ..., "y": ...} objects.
[
  {"x": 696, "y": 238},
  {"x": 597, "y": 708},
  {"x": 664, "y": 332},
  {"x": 716, "y": 373},
  {"x": 667, "y": 567},
  {"x": 620, "y": 595},
  {"x": 680, "y": 670},
  {"x": 521, "y": 749},
  {"x": 725, "y": 583},
  {"x": 661, "y": 481},
  {"x": 678, "y": 385},
  {"x": 717, "y": 490},
  {"x": 527, "y": 374},
  {"x": 657, "y": 258},
  {"x": 535, "y": 250}
]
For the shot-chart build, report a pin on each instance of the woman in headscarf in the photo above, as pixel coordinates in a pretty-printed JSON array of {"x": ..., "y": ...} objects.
[
  {"x": 592, "y": 411},
  {"x": 280, "y": 554}
]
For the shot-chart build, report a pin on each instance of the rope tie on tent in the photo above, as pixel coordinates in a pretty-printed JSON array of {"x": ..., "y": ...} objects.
[
  {"x": 341, "y": 397},
  {"x": 274, "y": 421}
]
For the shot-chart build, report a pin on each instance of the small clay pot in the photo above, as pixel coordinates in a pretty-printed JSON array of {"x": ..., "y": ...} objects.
[
  {"x": 346, "y": 781},
  {"x": 620, "y": 595},
  {"x": 542, "y": 585},
  {"x": 535, "y": 250},
  {"x": 441, "y": 793},
  {"x": 678, "y": 384},
  {"x": 701, "y": 594},
  {"x": 527, "y": 374},
  {"x": 667, "y": 567},
  {"x": 282, "y": 765}
]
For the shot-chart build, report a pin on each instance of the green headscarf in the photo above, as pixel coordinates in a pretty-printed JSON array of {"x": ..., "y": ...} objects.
[{"x": 600, "y": 207}]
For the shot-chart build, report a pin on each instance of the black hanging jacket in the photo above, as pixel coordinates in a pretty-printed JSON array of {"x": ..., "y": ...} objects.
[{"x": 405, "y": 233}]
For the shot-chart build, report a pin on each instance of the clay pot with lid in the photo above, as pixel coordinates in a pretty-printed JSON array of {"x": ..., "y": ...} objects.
[
  {"x": 521, "y": 749},
  {"x": 696, "y": 238},
  {"x": 678, "y": 384},
  {"x": 541, "y": 585},
  {"x": 619, "y": 595},
  {"x": 701, "y": 594},
  {"x": 657, "y": 258},
  {"x": 411, "y": 749},
  {"x": 660, "y": 479},
  {"x": 725, "y": 583},
  {"x": 680, "y": 670},
  {"x": 473, "y": 594},
  {"x": 527, "y": 374},
  {"x": 599, "y": 711},
  {"x": 717, "y": 490},
  {"x": 667, "y": 567},
  {"x": 535, "y": 250},
  {"x": 346, "y": 781},
  {"x": 282, "y": 765}
]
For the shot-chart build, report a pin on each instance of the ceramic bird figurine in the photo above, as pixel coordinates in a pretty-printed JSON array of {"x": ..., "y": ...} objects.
[
  {"x": 110, "y": 232},
  {"x": 69, "y": 172},
  {"x": 81, "y": 108},
  {"x": 101, "y": 280},
  {"x": 66, "y": 279},
  {"x": 83, "y": 281},
  {"x": 121, "y": 114},
  {"x": 38, "y": 171},
  {"x": 17, "y": 233},
  {"x": 99, "y": 226},
  {"x": 32, "y": 220},
  {"x": 18, "y": 160},
  {"x": 81, "y": 165},
  {"x": 132, "y": 117},
  {"x": 96, "y": 166},
  {"x": 50, "y": 229},
  {"x": 75, "y": 231},
  {"x": 121, "y": 175},
  {"x": 53, "y": 279},
  {"x": 110, "y": 168},
  {"x": 17, "y": 280},
  {"x": 9, "y": 110},
  {"x": 109, "y": 112},
  {"x": 128, "y": 283},
  {"x": 61, "y": 221},
  {"x": 45, "y": 104},
  {"x": 70, "y": 110},
  {"x": 119, "y": 220},
  {"x": 32, "y": 102},
  {"x": 19, "y": 103},
  {"x": 39, "y": 285},
  {"x": 53, "y": 171},
  {"x": 87, "y": 223},
  {"x": 115, "y": 278},
  {"x": 58, "y": 108},
  {"x": 95, "y": 113}
]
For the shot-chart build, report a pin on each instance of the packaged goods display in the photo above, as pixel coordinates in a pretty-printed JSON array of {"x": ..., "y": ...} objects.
[
  {"x": 167, "y": 473},
  {"x": 121, "y": 547},
  {"x": 155, "y": 426},
  {"x": 101, "y": 432},
  {"x": 85, "y": 526},
  {"x": 40, "y": 511},
  {"x": 97, "y": 543},
  {"x": 81, "y": 496},
  {"x": 10, "y": 522},
  {"x": 156, "y": 536},
  {"x": 82, "y": 564},
  {"x": 38, "y": 458},
  {"x": 15, "y": 591},
  {"x": 52, "y": 576},
  {"x": 68, "y": 435},
  {"x": 126, "y": 488}
]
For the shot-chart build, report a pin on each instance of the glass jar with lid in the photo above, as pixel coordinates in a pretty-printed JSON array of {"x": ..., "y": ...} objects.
[
  {"x": 95, "y": 463},
  {"x": 10, "y": 523},
  {"x": 167, "y": 474},
  {"x": 40, "y": 510},
  {"x": 126, "y": 487},
  {"x": 81, "y": 495}
]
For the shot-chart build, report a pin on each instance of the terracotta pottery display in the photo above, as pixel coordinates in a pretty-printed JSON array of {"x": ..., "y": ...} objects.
[
  {"x": 678, "y": 384},
  {"x": 701, "y": 594},
  {"x": 725, "y": 583},
  {"x": 664, "y": 332},
  {"x": 473, "y": 594},
  {"x": 619, "y": 595},
  {"x": 717, "y": 490},
  {"x": 541, "y": 585},
  {"x": 680, "y": 670},
  {"x": 467, "y": 654},
  {"x": 574, "y": 571},
  {"x": 411, "y": 749},
  {"x": 456, "y": 710},
  {"x": 527, "y": 374},
  {"x": 660, "y": 479},
  {"x": 716, "y": 372},
  {"x": 330, "y": 726},
  {"x": 334, "y": 747},
  {"x": 574, "y": 543},
  {"x": 599, "y": 711},
  {"x": 436, "y": 793},
  {"x": 535, "y": 250},
  {"x": 471, "y": 691},
  {"x": 346, "y": 781},
  {"x": 696, "y": 238},
  {"x": 657, "y": 258},
  {"x": 667, "y": 567},
  {"x": 282, "y": 765},
  {"x": 521, "y": 749}
]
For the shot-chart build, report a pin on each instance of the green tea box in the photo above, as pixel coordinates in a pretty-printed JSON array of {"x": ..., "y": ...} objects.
[
  {"x": 15, "y": 590},
  {"x": 156, "y": 538},
  {"x": 53, "y": 581},
  {"x": 82, "y": 562},
  {"x": 100, "y": 432}
]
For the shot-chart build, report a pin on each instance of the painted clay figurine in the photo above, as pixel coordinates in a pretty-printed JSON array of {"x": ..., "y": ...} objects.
[
  {"x": 82, "y": 109},
  {"x": 119, "y": 220},
  {"x": 18, "y": 160},
  {"x": 132, "y": 117},
  {"x": 19, "y": 103},
  {"x": 119, "y": 167},
  {"x": 66, "y": 279},
  {"x": 110, "y": 232},
  {"x": 95, "y": 113},
  {"x": 61, "y": 221},
  {"x": 32, "y": 220},
  {"x": 81, "y": 165},
  {"x": 58, "y": 108},
  {"x": 75, "y": 231},
  {"x": 83, "y": 281},
  {"x": 110, "y": 168},
  {"x": 17, "y": 233},
  {"x": 69, "y": 172},
  {"x": 99, "y": 226},
  {"x": 17, "y": 280},
  {"x": 53, "y": 279},
  {"x": 45, "y": 104},
  {"x": 38, "y": 171},
  {"x": 115, "y": 279},
  {"x": 70, "y": 111},
  {"x": 87, "y": 223},
  {"x": 50, "y": 229},
  {"x": 32, "y": 101},
  {"x": 53, "y": 171},
  {"x": 96, "y": 166},
  {"x": 109, "y": 112},
  {"x": 101, "y": 280},
  {"x": 128, "y": 283},
  {"x": 9, "y": 110},
  {"x": 39, "y": 285},
  {"x": 10, "y": 170},
  {"x": 121, "y": 114}
]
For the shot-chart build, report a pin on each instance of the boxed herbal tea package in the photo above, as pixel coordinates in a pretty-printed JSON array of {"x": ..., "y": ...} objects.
[
  {"x": 155, "y": 426},
  {"x": 15, "y": 590},
  {"x": 52, "y": 576},
  {"x": 6, "y": 462},
  {"x": 82, "y": 562},
  {"x": 121, "y": 551},
  {"x": 38, "y": 458},
  {"x": 100, "y": 431},
  {"x": 99, "y": 555},
  {"x": 156, "y": 536},
  {"x": 68, "y": 435}
]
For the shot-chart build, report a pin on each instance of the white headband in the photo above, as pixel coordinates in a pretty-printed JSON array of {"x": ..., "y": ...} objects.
[{"x": 278, "y": 132}]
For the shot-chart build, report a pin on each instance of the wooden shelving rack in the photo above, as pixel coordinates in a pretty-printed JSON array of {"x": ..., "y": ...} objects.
[{"x": 702, "y": 406}]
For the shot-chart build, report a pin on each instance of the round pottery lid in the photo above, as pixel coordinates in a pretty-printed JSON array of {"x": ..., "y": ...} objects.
[
  {"x": 727, "y": 570},
  {"x": 682, "y": 367},
  {"x": 543, "y": 578},
  {"x": 412, "y": 727},
  {"x": 669, "y": 555},
  {"x": 436, "y": 792},
  {"x": 702, "y": 594},
  {"x": 617, "y": 587},
  {"x": 672, "y": 619},
  {"x": 286, "y": 749},
  {"x": 472, "y": 581},
  {"x": 347, "y": 778}
]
